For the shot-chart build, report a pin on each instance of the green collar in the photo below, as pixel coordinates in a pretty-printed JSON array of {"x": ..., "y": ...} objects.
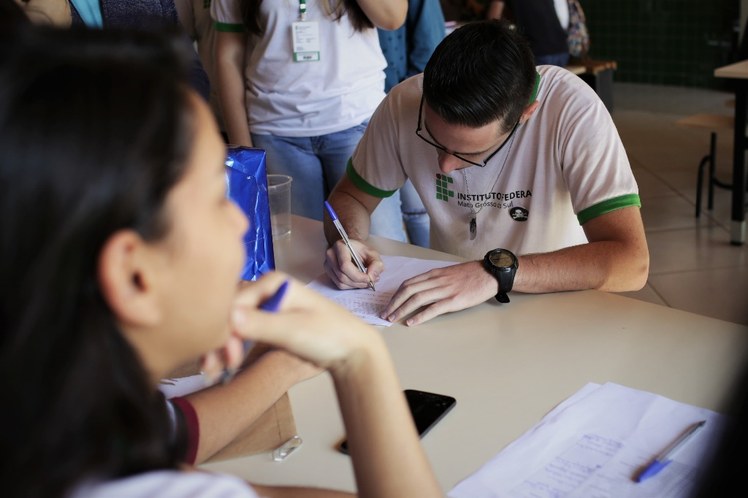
[{"x": 535, "y": 88}]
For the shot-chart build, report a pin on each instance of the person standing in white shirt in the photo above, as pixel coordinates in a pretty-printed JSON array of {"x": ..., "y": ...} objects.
[{"x": 301, "y": 79}]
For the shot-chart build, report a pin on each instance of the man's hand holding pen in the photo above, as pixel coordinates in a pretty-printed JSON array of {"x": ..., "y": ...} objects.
[
  {"x": 347, "y": 265},
  {"x": 343, "y": 271}
]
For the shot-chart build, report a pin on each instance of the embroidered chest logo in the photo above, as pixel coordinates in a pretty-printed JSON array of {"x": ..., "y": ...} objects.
[{"x": 443, "y": 192}]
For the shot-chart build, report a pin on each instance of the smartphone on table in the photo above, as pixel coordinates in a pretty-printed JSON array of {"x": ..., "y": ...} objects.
[{"x": 426, "y": 408}]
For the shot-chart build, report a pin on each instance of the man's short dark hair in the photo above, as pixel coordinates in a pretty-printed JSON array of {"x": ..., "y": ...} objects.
[{"x": 482, "y": 72}]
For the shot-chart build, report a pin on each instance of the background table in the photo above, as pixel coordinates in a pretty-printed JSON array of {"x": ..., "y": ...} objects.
[
  {"x": 507, "y": 365},
  {"x": 738, "y": 72}
]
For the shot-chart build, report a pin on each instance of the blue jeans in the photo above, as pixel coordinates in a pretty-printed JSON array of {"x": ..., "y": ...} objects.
[
  {"x": 316, "y": 165},
  {"x": 552, "y": 60},
  {"x": 417, "y": 221}
]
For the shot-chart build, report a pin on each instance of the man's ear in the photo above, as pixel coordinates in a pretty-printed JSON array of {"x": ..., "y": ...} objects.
[
  {"x": 529, "y": 110},
  {"x": 125, "y": 272}
]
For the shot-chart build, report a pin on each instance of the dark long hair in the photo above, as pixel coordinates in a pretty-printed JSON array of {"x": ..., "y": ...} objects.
[
  {"x": 11, "y": 17},
  {"x": 338, "y": 8},
  {"x": 482, "y": 72},
  {"x": 95, "y": 129}
]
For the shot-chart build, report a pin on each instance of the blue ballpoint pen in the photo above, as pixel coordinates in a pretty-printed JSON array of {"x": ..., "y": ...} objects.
[
  {"x": 271, "y": 304},
  {"x": 665, "y": 457},
  {"x": 344, "y": 236}
]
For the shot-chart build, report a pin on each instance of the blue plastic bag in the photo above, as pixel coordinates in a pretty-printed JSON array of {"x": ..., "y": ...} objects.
[{"x": 248, "y": 187}]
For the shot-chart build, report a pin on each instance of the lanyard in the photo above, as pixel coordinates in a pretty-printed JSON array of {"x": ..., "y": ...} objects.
[
  {"x": 90, "y": 12},
  {"x": 302, "y": 10}
]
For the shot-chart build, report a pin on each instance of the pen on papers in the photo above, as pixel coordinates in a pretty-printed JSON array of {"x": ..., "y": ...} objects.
[
  {"x": 344, "y": 235},
  {"x": 665, "y": 457},
  {"x": 271, "y": 304}
]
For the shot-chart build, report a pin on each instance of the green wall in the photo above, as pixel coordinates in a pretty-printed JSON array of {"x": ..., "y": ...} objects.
[{"x": 667, "y": 42}]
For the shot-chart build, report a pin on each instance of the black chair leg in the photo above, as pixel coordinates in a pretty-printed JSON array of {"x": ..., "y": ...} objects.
[
  {"x": 700, "y": 183},
  {"x": 712, "y": 170},
  {"x": 712, "y": 180}
]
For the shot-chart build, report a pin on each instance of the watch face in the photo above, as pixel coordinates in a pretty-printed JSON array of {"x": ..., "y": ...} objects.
[{"x": 501, "y": 258}]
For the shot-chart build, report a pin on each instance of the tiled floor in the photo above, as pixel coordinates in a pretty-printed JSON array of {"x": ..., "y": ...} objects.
[{"x": 693, "y": 265}]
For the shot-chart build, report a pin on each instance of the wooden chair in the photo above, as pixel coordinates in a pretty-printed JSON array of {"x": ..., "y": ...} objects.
[
  {"x": 713, "y": 123},
  {"x": 598, "y": 74}
]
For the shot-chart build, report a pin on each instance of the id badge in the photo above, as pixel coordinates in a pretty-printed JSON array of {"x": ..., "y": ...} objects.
[{"x": 305, "y": 41}]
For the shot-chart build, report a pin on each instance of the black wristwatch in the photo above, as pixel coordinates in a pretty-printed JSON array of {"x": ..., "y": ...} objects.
[{"x": 502, "y": 264}]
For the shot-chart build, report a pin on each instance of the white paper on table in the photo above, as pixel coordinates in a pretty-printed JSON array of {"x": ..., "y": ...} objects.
[
  {"x": 368, "y": 304},
  {"x": 593, "y": 444}
]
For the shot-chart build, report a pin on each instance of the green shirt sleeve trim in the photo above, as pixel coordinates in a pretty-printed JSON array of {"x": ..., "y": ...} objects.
[
  {"x": 363, "y": 185},
  {"x": 229, "y": 28},
  {"x": 607, "y": 206}
]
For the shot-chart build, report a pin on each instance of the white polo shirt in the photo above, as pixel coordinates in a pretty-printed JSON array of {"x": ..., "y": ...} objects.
[{"x": 563, "y": 167}]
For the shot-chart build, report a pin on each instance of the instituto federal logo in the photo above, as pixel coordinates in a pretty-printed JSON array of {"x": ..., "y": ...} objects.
[
  {"x": 494, "y": 200},
  {"x": 443, "y": 192}
]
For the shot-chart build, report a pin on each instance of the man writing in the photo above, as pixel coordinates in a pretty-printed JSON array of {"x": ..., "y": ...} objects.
[{"x": 519, "y": 161}]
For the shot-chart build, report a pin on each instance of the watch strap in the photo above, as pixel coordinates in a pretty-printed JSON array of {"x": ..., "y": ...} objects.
[{"x": 504, "y": 277}]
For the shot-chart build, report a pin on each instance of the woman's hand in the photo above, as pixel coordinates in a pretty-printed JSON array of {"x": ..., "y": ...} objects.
[
  {"x": 228, "y": 358},
  {"x": 307, "y": 324},
  {"x": 319, "y": 331}
]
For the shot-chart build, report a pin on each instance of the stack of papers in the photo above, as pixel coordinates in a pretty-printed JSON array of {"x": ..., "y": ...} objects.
[{"x": 593, "y": 445}]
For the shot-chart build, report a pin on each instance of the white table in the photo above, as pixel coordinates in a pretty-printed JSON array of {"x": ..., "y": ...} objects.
[{"x": 507, "y": 365}]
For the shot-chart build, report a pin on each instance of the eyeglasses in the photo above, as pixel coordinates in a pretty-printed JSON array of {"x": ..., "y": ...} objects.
[{"x": 458, "y": 156}]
